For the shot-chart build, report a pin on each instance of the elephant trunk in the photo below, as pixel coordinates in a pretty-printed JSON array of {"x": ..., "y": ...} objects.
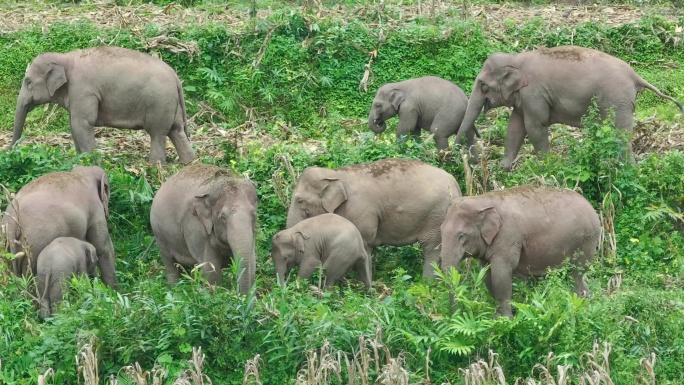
[
  {"x": 375, "y": 124},
  {"x": 24, "y": 106},
  {"x": 242, "y": 246},
  {"x": 451, "y": 253},
  {"x": 281, "y": 271},
  {"x": 475, "y": 106},
  {"x": 293, "y": 216}
]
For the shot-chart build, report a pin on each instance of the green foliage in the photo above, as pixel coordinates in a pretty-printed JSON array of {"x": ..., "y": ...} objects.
[{"x": 296, "y": 78}]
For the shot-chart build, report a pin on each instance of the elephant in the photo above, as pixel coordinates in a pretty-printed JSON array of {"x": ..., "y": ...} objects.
[
  {"x": 109, "y": 86},
  {"x": 431, "y": 103},
  {"x": 61, "y": 204},
  {"x": 521, "y": 231},
  {"x": 327, "y": 239},
  {"x": 391, "y": 201},
  {"x": 553, "y": 85},
  {"x": 206, "y": 215},
  {"x": 62, "y": 258}
]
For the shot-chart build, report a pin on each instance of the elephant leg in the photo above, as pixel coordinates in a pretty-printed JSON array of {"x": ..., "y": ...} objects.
[
  {"x": 416, "y": 132},
  {"x": 537, "y": 131},
  {"x": 98, "y": 236},
  {"x": 157, "y": 148},
  {"x": 502, "y": 285},
  {"x": 212, "y": 265},
  {"x": 624, "y": 120},
  {"x": 170, "y": 268},
  {"x": 82, "y": 118},
  {"x": 472, "y": 149},
  {"x": 407, "y": 123},
  {"x": 515, "y": 136},
  {"x": 182, "y": 144},
  {"x": 363, "y": 268},
  {"x": 431, "y": 250}
]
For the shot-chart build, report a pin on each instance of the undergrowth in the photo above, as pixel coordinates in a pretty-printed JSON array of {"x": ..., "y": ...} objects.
[{"x": 296, "y": 80}]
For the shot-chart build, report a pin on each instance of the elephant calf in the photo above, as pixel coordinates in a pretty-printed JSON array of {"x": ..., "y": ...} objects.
[
  {"x": 429, "y": 103},
  {"x": 204, "y": 215},
  {"x": 62, "y": 258},
  {"x": 391, "y": 201},
  {"x": 329, "y": 240},
  {"x": 521, "y": 231}
]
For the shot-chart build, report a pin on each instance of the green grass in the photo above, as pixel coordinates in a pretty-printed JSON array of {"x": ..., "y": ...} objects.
[{"x": 306, "y": 104}]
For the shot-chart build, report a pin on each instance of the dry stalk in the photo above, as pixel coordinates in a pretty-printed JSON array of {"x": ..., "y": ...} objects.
[
  {"x": 393, "y": 373},
  {"x": 319, "y": 367},
  {"x": 546, "y": 376},
  {"x": 42, "y": 379},
  {"x": 484, "y": 372},
  {"x": 608, "y": 239},
  {"x": 649, "y": 365},
  {"x": 597, "y": 366},
  {"x": 264, "y": 45},
  {"x": 252, "y": 376},
  {"x": 194, "y": 375},
  {"x": 372, "y": 55},
  {"x": 281, "y": 186},
  {"x": 86, "y": 362},
  {"x": 614, "y": 283},
  {"x": 469, "y": 179}
]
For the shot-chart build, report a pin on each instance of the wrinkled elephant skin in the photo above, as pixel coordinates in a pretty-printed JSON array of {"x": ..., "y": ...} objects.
[
  {"x": 204, "y": 215},
  {"x": 109, "y": 86},
  {"x": 62, "y": 258},
  {"x": 392, "y": 202},
  {"x": 553, "y": 85},
  {"x": 327, "y": 240},
  {"x": 61, "y": 204},
  {"x": 521, "y": 231}
]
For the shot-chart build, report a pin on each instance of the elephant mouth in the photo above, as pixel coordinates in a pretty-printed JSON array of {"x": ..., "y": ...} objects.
[{"x": 487, "y": 105}]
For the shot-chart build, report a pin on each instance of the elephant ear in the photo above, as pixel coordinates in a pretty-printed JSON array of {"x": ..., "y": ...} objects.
[
  {"x": 333, "y": 194},
  {"x": 512, "y": 79},
  {"x": 203, "y": 211},
  {"x": 490, "y": 223},
  {"x": 396, "y": 98},
  {"x": 55, "y": 77},
  {"x": 104, "y": 191},
  {"x": 298, "y": 239},
  {"x": 91, "y": 258}
]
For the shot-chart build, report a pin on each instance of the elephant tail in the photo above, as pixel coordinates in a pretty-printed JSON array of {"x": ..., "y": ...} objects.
[
  {"x": 184, "y": 113},
  {"x": 644, "y": 84}
]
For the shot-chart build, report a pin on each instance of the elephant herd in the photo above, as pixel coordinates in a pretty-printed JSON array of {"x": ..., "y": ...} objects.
[{"x": 205, "y": 215}]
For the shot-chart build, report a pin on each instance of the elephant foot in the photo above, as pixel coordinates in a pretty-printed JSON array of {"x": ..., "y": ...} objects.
[{"x": 506, "y": 165}]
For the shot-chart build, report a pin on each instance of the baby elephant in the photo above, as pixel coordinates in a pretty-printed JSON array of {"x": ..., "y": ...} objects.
[
  {"x": 326, "y": 239},
  {"x": 521, "y": 231},
  {"x": 56, "y": 263}
]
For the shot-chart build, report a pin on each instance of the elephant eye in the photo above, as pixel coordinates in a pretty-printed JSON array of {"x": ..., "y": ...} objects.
[{"x": 484, "y": 87}]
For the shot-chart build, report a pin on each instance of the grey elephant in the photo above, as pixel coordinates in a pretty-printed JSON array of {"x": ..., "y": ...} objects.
[
  {"x": 521, "y": 231},
  {"x": 61, "y": 204},
  {"x": 109, "y": 86},
  {"x": 429, "y": 103},
  {"x": 62, "y": 258},
  {"x": 391, "y": 201},
  {"x": 204, "y": 215},
  {"x": 328, "y": 240},
  {"x": 553, "y": 85}
]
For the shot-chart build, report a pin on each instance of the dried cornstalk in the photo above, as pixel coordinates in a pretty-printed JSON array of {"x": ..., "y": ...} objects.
[
  {"x": 252, "y": 376},
  {"x": 86, "y": 362}
]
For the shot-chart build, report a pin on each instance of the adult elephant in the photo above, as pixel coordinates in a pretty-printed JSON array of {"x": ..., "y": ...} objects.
[
  {"x": 429, "y": 103},
  {"x": 553, "y": 85},
  {"x": 521, "y": 231},
  {"x": 61, "y": 204},
  {"x": 109, "y": 86},
  {"x": 204, "y": 215},
  {"x": 392, "y": 201}
]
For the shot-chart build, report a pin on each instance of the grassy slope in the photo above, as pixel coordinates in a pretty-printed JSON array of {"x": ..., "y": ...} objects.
[{"x": 306, "y": 90}]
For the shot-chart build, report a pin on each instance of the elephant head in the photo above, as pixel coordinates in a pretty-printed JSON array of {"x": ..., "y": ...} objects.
[
  {"x": 316, "y": 193},
  {"x": 499, "y": 79},
  {"x": 99, "y": 179},
  {"x": 228, "y": 214},
  {"x": 287, "y": 251},
  {"x": 91, "y": 259},
  {"x": 467, "y": 231},
  {"x": 385, "y": 106},
  {"x": 44, "y": 82}
]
